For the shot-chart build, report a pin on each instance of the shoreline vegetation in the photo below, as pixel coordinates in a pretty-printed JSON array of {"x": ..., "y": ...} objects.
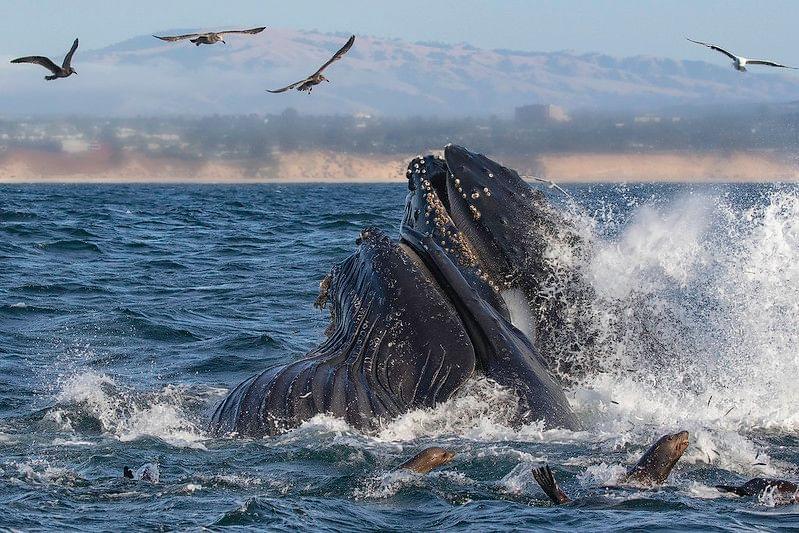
[{"x": 325, "y": 166}]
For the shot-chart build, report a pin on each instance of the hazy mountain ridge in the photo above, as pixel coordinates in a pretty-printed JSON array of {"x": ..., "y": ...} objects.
[{"x": 385, "y": 76}]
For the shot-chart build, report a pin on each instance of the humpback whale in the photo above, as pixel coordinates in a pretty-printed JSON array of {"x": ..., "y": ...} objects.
[
  {"x": 499, "y": 231},
  {"x": 413, "y": 320}
]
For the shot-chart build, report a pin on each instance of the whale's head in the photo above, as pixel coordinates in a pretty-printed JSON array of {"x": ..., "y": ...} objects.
[
  {"x": 511, "y": 244},
  {"x": 508, "y": 223},
  {"x": 485, "y": 215},
  {"x": 479, "y": 230},
  {"x": 428, "y": 215}
]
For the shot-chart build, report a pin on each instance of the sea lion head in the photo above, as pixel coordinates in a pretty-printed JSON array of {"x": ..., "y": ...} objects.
[
  {"x": 657, "y": 463},
  {"x": 428, "y": 459}
]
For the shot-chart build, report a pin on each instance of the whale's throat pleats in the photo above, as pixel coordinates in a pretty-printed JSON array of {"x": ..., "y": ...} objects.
[{"x": 398, "y": 344}]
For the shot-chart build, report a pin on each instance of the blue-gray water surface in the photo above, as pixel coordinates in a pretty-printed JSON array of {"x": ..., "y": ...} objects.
[{"x": 127, "y": 312}]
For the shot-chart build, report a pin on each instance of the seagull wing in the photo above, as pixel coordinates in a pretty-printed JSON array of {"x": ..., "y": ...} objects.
[
  {"x": 251, "y": 31},
  {"x": 716, "y": 48},
  {"x": 173, "y": 38},
  {"x": 39, "y": 60},
  {"x": 767, "y": 63},
  {"x": 287, "y": 87},
  {"x": 68, "y": 57},
  {"x": 338, "y": 55},
  {"x": 552, "y": 185}
]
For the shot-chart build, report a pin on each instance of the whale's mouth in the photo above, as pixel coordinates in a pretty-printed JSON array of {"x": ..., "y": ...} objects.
[{"x": 439, "y": 185}]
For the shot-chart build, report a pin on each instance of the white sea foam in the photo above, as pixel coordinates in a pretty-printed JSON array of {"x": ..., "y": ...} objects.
[
  {"x": 124, "y": 413},
  {"x": 697, "y": 314},
  {"x": 696, "y": 319},
  {"x": 72, "y": 442},
  {"x": 228, "y": 480},
  {"x": 602, "y": 474},
  {"x": 191, "y": 488},
  {"x": 41, "y": 472},
  {"x": 388, "y": 484}
]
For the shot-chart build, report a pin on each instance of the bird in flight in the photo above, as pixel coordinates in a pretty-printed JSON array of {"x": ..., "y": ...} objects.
[
  {"x": 316, "y": 78},
  {"x": 551, "y": 184},
  {"x": 212, "y": 37},
  {"x": 739, "y": 62},
  {"x": 64, "y": 71}
]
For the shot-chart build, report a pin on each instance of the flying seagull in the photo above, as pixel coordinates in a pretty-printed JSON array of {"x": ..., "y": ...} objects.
[
  {"x": 316, "y": 78},
  {"x": 551, "y": 184},
  {"x": 738, "y": 62},
  {"x": 212, "y": 37},
  {"x": 64, "y": 71}
]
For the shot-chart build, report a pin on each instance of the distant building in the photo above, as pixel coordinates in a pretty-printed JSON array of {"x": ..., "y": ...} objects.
[
  {"x": 540, "y": 113},
  {"x": 74, "y": 145},
  {"x": 644, "y": 119}
]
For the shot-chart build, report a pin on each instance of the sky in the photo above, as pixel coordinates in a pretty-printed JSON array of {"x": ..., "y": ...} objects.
[{"x": 619, "y": 28}]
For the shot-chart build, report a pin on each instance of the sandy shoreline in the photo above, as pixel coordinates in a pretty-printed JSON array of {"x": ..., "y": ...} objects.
[{"x": 330, "y": 167}]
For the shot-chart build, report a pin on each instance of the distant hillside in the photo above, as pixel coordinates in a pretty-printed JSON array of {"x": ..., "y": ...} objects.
[{"x": 390, "y": 77}]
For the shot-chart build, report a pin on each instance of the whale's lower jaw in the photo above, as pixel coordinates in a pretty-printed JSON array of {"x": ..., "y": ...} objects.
[{"x": 384, "y": 357}]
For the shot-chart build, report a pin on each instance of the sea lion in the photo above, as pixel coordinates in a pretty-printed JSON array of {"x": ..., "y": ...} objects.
[
  {"x": 411, "y": 322},
  {"x": 652, "y": 469},
  {"x": 784, "y": 491},
  {"x": 657, "y": 463},
  {"x": 428, "y": 459}
]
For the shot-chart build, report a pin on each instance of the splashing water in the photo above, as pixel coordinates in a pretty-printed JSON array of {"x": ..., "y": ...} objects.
[
  {"x": 125, "y": 414},
  {"x": 695, "y": 318},
  {"x": 117, "y": 358}
]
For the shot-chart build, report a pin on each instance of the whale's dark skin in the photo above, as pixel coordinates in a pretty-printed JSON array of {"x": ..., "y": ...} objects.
[
  {"x": 397, "y": 344},
  {"x": 411, "y": 323},
  {"x": 498, "y": 230}
]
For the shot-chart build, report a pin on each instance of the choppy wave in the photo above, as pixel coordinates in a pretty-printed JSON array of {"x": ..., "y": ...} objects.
[
  {"x": 90, "y": 400},
  {"x": 70, "y": 245},
  {"x": 116, "y": 358}
]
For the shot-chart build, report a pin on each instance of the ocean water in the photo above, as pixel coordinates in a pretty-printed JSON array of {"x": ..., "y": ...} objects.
[{"x": 127, "y": 312}]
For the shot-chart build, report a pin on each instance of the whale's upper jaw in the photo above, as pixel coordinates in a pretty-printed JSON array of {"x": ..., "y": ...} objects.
[
  {"x": 496, "y": 210},
  {"x": 428, "y": 213},
  {"x": 480, "y": 212}
]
